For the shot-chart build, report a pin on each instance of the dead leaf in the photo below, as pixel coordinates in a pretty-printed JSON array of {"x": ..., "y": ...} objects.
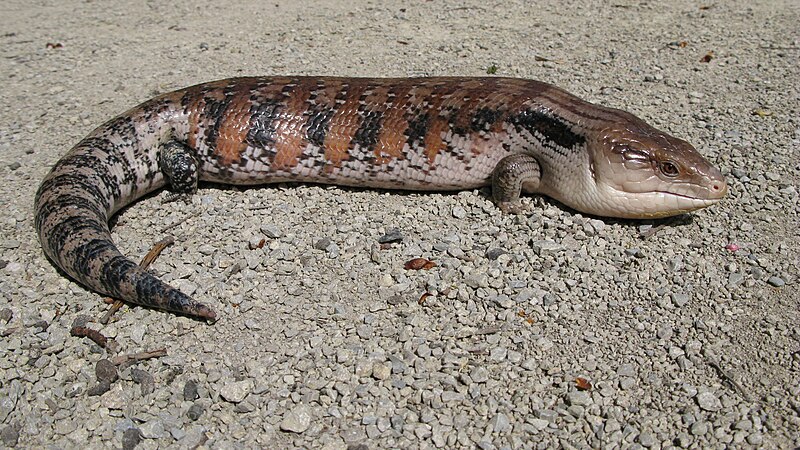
[
  {"x": 708, "y": 57},
  {"x": 583, "y": 384},
  {"x": 419, "y": 264}
]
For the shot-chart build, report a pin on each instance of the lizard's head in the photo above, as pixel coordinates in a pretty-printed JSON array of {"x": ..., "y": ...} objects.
[{"x": 641, "y": 172}]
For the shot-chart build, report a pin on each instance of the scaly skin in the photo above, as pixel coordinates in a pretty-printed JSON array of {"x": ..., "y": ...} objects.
[{"x": 426, "y": 134}]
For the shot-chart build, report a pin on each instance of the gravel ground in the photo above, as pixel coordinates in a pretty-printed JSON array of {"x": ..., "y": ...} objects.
[{"x": 542, "y": 331}]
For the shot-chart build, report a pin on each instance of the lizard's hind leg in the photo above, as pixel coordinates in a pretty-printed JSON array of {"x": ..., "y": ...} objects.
[{"x": 179, "y": 165}]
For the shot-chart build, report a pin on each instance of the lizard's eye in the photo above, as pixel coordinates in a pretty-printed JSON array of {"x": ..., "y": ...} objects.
[{"x": 669, "y": 169}]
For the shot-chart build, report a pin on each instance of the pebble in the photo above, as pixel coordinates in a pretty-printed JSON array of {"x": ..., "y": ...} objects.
[
  {"x": 152, "y": 429},
  {"x": 680, "y": 299},
  {"x": 498, "y": 354},
  {"x": 105, "y": 371},
  {"x": 195, "y": 411},
  {"x": 9, "y": 435},
  {"x": 479, "y": 374},
  {"x": 271, "y": 231},
  {"x": 579, "y": 398},
  {"x": 381, "y": 371},
  {"x": 131, "y": 438},
  {"x": 137, "y": 332},
  {"x": 322, "y": 244},
  {"x": 115, "y": 398},
  {"x": 538, "y": 424},
  {"x": 776, "y": 281},
  {"x": 235, "y": 392},
  {"x": 99, "y": 389},
  {"x": 494, "y": 253},
  {"x": 391, "y": 236},
  {"x": 190, "y": 391},
  {"x": 708, "y": 401},
  {"x": 646, "y": 439},
  {"x": 698, "y": 428},
  {"x": 144, "y": 379},
  {"x": 459, "y": 212},
  {"x": 297, "y": 420},
  {"x": 543, "y": 247},
  {"x": 501, "y": 424},
  {"x": 451, "y": 396}
]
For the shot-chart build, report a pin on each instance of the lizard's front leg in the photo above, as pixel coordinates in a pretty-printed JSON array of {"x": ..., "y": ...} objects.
[{"x": 508, "y": 178}]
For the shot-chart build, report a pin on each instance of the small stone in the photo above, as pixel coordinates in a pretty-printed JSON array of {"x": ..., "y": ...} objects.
[
  {"x": 683, "y": 440},
  {"x": 99, "y": 389},
  {"x": 452, "y": 396},
  {"x": 680, "y": 299},
  {"x": 381, "y": 371},
  {"x": 144, "y": 379},
  {"x": 598, "y": 225},
  {"x": 755, "y": 439},
  {"x": 105, "y": 371},
  {"x": 114, "y": 398},
  {"x": 459, "y": 212},
  {"x": 501, "y": 423},
  {"x": 131, "y": 438},
  {"x": 190, "y": 391},
  {"x": 81, "y": 321},
  {"x": 322, "y": 244},
  {"x": 364, "y": 332},
  {"x": 177, "y": 433},
  {"x": 6, "y": 314},
  {"x": 398, "y": 365},
  {"x": 738, "y": 173},
  {"x": 708, "y": 401},
  {"x": 498, "y": 354},
  {"x": 271, "y": 231},
  {"x": 494, "y": 253},
  {"x": 14, "y": 165},
  {"x": 626, "y": 370},
  {"x": 137, "y": 333},
  {"x": 579, "y": 398},
  {"x": 776, "y": 281},
  {"x": 626, "y": 383},
  {"x": 646, "y": 439},
  {"x": 397, "y": 422},
  {"x": 635, "y": 252},
  {"x": 297, "y": 420},
  {"x": 391, "y": 236},
  {"x": 547, "y": 415},
  {"x": 153, "y": 429},
  {"x": 195, "y": 411},
  {"x": 236, "y": 392},
  {"x": 244, "y": 407},
  {"x": 9, "y": 435},
  {"x": 479, "y": 374},
  {"x": 698, "y": 428},
  {"x": 542, "y": 247},
  {"x": 664, "y": 332},
  {"x": 538, "y": 424}
]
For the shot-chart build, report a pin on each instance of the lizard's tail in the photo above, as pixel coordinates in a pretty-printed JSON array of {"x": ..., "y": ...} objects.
[{"x": 72, "y": 208}]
